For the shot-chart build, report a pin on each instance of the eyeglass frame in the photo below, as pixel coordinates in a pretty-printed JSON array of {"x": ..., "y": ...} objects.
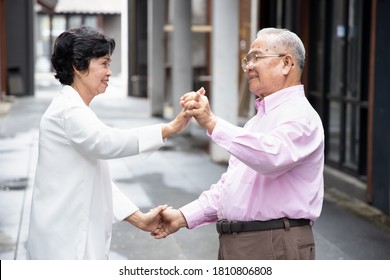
[{"x": 245, "y": 62}]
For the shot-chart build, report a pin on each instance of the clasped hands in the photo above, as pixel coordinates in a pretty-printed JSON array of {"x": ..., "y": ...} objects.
[
  {"x": 160, "y": 221},
  {"x": 163, "y": 220},
  {"x": 194, "y": 104}
]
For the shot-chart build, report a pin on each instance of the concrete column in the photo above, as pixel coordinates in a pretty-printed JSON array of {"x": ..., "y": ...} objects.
[
  {"x": 20, "y": 46},
  {"x": 181, "y": 55},
  {"x": 156, "y": 67},
  {"x": 131, "y": 44},
  {"x": 255, "y": 5},
  {"x": 124, "y": 48},
  {"x": 225, "y": 66}
]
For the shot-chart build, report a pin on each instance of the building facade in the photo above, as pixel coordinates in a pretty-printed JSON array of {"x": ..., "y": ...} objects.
[{"x": 29, "y": 28}]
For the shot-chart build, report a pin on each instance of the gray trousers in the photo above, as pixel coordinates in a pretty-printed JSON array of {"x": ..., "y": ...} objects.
[{"x": 295, "y": 243}]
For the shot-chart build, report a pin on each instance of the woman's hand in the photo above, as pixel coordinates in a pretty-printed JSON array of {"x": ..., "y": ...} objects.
[
  {"x": 150, "y": 221},
  {"x": 182, "y": 120},
  {"x": 178, "y": 125}
]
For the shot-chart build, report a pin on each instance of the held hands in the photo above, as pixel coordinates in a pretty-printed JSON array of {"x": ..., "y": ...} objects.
[
  {"x": 160, "y": 221},
  {"x": 172, "y": 220},
  {"x": 178, "y": 125},
  {"x": 149, "y": 221},
  {"x": 196, "y": 104}
]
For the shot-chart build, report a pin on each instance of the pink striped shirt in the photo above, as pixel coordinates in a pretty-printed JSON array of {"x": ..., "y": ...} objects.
[{"x": 276, "y": 165}]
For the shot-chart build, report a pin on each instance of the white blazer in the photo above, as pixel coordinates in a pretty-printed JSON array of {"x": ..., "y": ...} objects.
[{"x": 74, "y": 200}]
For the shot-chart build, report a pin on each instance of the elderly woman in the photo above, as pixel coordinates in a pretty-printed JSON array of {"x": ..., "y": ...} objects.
[{"x": 74, "y": 198}]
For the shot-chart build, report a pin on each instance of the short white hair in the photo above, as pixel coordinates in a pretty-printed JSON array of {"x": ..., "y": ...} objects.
[{"x": 288, "y": 40}]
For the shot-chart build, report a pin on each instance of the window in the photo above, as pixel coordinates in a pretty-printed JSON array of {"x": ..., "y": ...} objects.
[{"x": 337, "y": 84}]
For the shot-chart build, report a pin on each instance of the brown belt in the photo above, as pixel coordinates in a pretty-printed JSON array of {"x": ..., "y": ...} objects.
[{"x": 224, "y": 226}]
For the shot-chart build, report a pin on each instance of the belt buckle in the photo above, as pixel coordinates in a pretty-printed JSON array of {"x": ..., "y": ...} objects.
[
  {"x": 219, "y": 226},
  {"x": 229, "y": 227},
  {"x": 225, "y": 226}
]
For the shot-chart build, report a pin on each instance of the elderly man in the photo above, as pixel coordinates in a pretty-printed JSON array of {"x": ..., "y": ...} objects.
[{"x": 264, "y": 205}]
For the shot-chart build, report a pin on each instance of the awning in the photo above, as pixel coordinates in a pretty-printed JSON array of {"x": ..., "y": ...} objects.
[
  {"x": 48, "y": 4},
  {"x": 89, "y": 7}
]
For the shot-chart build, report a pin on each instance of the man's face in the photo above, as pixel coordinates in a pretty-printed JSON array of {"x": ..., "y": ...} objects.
[{"x": 264, "y": 68}]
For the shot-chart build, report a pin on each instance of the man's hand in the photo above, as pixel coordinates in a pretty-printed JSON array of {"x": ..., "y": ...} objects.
[
  {"x": 196, "y": 105},
  {"x": 149, "y": 221},
  {"x": 185, "y": 100},
  {"x": 172, "y": 221}
]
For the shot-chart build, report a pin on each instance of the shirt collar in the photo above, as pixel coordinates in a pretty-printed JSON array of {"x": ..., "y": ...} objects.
[
  {"x": 273, "y": 100},
  {"x": 70, "y": 92}
]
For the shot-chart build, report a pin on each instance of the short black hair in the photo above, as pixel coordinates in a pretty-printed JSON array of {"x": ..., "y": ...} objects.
[{"x": 75, "y": 48}]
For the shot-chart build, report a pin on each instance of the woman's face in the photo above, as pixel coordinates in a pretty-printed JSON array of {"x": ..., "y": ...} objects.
[{"x": 96, "y": 78}]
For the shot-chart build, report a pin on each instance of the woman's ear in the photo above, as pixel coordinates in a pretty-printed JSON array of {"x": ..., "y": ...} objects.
[{"x": 76, "y": 72}]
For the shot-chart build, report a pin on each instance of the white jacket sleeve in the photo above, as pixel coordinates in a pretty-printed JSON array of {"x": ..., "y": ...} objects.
[
  {"x": 122, "y": 205},
  {"x": 91, "y": 136}
]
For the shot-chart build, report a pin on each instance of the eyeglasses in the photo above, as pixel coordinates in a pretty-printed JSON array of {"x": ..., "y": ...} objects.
[{"x": 251, "y": 59}]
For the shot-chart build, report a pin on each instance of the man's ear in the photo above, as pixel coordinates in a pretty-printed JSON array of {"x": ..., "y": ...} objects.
[
  {"x": 288, "y": 63},
  {"x": 288, "y": 60}
]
